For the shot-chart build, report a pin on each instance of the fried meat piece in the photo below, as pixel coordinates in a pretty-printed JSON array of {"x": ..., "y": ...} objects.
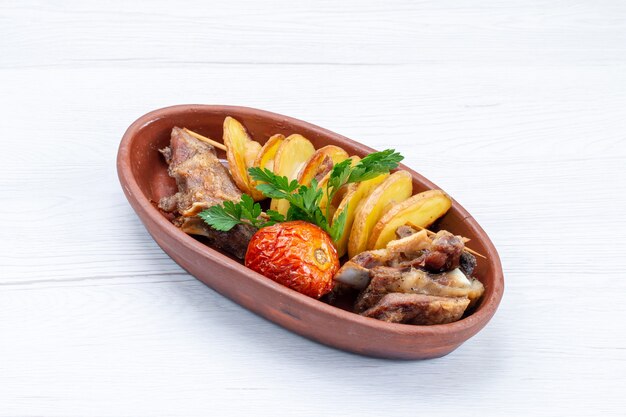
[
  {"x": 417, "y": 250},
  {"x": 201, "y": 178},
  {"x": 235, "y": 241},
  {"x": 202, "y": 182},
  {"x": 418, "y": 309},
  {"x": 386, "y": 280}
]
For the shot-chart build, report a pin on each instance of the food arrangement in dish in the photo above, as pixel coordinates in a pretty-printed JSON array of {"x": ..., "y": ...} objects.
[{"x": 292, "y": 212}]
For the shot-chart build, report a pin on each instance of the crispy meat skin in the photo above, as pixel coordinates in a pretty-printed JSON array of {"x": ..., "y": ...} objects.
[
  {"x": 418, "y": 309},
  {"x": 201, "y": 178},
  {"x": 202, "y": 182}
]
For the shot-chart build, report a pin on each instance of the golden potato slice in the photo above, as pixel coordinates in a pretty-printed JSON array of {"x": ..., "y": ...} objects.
[
  {"x": 322, "y": 185},
  {"x": 422, "y": 210},
  {"x": 320, "y": 163},
  {"x": 337, "y": 198},
  {"x": 395, "y": 189},
  {"x": 252, "y": 151},
  {"x": 291, "y": 156},
  {"x": 265, "y": 157},
  {"x": 350, "y": 202},
  {"x": 239, "y": 153}
]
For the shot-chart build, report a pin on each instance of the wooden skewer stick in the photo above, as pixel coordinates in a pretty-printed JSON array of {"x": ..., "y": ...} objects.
[
  {"x": 473, "y": 252},
  {"x": 431, "y": 233},
  {"x": 205, "y": 139}
]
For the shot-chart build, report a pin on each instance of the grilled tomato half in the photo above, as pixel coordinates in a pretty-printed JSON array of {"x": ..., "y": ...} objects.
[{"x": 296, "y": 254}]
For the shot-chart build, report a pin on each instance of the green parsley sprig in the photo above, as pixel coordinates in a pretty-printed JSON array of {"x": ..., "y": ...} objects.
[
  {"x": 227, "y": 215},
  {"x": 369, "y": 167},
  {"x": 304, "y": 201}
]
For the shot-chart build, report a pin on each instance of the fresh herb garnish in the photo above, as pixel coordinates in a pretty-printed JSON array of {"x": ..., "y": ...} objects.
[
  {"x": 369, "y": 167},
  {"x": 226, "y": 216},
  {"x": 304, "y": 201}
]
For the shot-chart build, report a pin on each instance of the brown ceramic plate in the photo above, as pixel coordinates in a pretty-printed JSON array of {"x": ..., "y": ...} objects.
[{"x": 143, "y": 175}]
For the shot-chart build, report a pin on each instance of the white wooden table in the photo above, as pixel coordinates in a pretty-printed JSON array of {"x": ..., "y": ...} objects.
[{"x": 517, "y": 109}]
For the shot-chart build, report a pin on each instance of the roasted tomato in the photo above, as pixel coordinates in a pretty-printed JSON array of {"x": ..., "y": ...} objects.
[{"x": 296, "y": 254}]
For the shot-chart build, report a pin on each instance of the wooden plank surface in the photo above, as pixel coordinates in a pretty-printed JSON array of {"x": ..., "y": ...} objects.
[{"x": 517, "y": 109}]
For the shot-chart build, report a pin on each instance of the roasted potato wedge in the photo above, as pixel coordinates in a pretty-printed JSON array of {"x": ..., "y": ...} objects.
[
  {"x": 252, "y": 151},
  {"x": 291, "y": 156},
  {"x": 395, "y": 189},
  {"x": 422, "y": 210},
  {"x": 322, "y": 184},
  {"x": 320, "y": 163},
  {"x": 241, "y": 152},
  {"x": 350, "y": 202},
  {"x": 265, "y": 157}
]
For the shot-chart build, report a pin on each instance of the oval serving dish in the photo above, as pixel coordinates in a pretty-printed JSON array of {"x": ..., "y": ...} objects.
[{"x": 143, "y": 175}]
